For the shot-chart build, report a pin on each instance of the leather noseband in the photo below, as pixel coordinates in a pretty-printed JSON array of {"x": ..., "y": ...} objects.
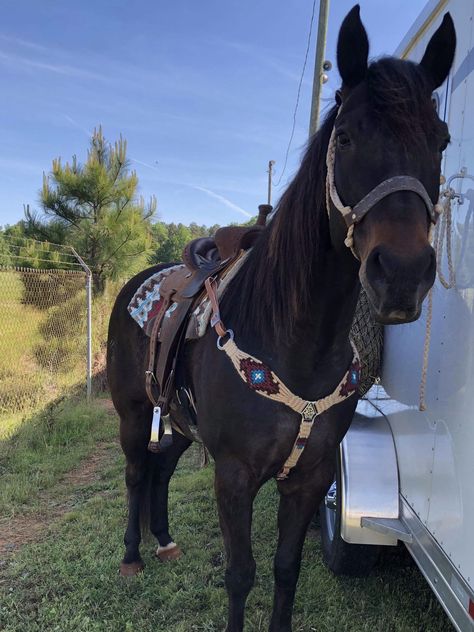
[{"x": 385, "y": 188}]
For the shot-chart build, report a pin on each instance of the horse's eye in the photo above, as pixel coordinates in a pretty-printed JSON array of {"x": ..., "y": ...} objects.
[{"x": 343, "y": 140}]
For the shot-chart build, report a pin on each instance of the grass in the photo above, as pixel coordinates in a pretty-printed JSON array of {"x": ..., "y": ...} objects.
[
  {"x": 45, "y": 446},
  {"x": 68, "y": 580}
]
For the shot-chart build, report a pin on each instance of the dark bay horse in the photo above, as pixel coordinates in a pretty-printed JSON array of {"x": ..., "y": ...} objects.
[{"x": 291, "y": 305}]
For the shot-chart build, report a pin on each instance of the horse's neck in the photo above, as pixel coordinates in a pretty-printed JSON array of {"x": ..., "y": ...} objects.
[
  {"x": 320, "y": 350},
  {"x": 319, "y": 353}
]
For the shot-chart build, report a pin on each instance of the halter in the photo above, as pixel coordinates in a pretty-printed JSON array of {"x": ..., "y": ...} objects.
[{"x": 352, "y": 215}]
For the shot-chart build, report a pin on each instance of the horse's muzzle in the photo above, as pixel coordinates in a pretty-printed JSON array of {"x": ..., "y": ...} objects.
[{"x": 396, "y": 285}]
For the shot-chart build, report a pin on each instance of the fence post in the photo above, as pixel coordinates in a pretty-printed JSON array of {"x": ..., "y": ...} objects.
[{"x": 89, "y": 320}]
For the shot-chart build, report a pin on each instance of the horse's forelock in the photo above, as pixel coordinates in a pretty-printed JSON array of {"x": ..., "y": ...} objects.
[{"x": 399, "y": 97}]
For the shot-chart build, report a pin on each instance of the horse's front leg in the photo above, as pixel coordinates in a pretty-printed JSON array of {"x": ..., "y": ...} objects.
[
  {"x": 300, "y": 496},
  {"x": 235, "y": 491}
]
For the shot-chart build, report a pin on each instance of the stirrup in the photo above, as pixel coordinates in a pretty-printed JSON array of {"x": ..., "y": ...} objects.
[{"x": 156, "y": 444}]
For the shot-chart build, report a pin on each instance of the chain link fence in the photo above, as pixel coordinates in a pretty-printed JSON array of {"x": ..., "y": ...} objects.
[{"x": 43, "y": 335}]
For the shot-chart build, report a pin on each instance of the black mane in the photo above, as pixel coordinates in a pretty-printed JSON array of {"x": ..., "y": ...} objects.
[{"x": 273, "y": 286}]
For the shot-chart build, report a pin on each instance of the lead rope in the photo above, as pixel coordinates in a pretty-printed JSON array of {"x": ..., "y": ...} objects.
[{"x": 442, "y": 234}]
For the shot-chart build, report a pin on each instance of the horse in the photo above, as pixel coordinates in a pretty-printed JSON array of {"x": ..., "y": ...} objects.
[{"x": 357, "y": 213}]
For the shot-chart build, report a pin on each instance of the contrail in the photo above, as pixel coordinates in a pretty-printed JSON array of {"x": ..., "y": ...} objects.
[
  {"x": 212, "y": 194},
  {"x": 76, "y": 124},
  {"x": 145, "y": 164},
  {"x": 222, "y": 199}
]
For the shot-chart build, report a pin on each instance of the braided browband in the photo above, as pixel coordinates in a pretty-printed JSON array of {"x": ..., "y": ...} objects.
[{"x": 353, "y": 214}]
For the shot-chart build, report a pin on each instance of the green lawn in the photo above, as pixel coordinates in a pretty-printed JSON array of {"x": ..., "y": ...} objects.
[
  {"x": 68, "y": 580},
  {"x": 45, "y": 446}
]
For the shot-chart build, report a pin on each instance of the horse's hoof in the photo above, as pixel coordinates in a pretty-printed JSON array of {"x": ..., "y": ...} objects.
[
  {"x": 168, "y": 553},
  {"x": 131, "y": 569}
]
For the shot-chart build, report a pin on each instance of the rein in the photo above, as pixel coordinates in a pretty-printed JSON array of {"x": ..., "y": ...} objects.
[{"x": 352, "y": 215}]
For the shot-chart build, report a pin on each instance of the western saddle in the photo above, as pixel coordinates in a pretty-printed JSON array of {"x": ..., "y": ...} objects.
[{"x": 203, "y": 258}]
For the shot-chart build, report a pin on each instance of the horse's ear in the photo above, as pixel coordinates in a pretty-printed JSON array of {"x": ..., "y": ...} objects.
[
  {"x": 352, "y": 49},
  {"x": 439, "y": 54}
]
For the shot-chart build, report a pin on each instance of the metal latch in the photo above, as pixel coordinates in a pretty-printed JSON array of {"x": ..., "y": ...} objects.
[{"x": 449, "y": 192}]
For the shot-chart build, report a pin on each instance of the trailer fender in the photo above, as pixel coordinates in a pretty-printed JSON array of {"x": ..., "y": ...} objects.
[{"x": 370, "y": 507}]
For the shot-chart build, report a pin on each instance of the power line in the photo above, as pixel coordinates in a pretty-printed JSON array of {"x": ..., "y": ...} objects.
[{"x": 298, "y": 95}]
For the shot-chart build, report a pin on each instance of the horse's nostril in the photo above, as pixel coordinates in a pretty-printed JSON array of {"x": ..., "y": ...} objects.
[
  {"x": 379, "y": 264},
  {"x": 385, "y": 264}
]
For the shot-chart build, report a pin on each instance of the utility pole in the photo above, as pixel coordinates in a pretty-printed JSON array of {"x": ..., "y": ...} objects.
[
  {"x": 265, "y": 209},
  {"x": 319, "y": 76},
  {"x": 270, "y": 175}
]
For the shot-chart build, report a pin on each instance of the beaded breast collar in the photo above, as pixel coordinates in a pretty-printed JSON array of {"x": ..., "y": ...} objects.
[{"x": 262, "y": 380}]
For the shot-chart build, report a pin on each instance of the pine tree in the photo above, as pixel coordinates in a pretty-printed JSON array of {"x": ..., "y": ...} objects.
[
  {"x": 170, "y": 240},
  {"x": 94, "y": 207}
]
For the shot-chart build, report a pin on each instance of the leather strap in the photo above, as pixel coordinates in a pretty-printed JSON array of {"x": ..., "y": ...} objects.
[
  {"x": 385, "y": 188},
  {"x": 170, "y": 345},
  {"x": 150, "y": 377},
  {"x": 216, "y": 322}
]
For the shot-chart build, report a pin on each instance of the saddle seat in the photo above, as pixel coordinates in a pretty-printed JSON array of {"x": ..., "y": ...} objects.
[{"x": 209, "y": 252}]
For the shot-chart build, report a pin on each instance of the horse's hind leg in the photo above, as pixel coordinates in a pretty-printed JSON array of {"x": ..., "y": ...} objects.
[
  {"x": 134, "y": 440},
  {"x": 235, "y": 491},
  {"x": 164, "y": 466}
]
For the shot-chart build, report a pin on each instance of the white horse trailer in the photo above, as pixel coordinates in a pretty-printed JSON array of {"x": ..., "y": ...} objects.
[{"x": 404, "y": 473}]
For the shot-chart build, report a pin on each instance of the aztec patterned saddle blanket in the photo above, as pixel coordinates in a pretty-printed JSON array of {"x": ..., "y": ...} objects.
[{"x": 147, "y": 301}]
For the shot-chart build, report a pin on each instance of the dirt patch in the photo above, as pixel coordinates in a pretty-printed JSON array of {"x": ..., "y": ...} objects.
[
  {"x": 107, "y": 404},
  {"x": 58, "y": 500},
  {"x": 87, "y": 471}
]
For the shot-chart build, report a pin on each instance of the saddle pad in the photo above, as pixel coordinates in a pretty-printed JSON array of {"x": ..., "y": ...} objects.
[{"x": 146, "y": 301}]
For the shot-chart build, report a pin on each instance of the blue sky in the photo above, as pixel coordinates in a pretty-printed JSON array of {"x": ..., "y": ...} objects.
[{"x": 204, "y": 93}]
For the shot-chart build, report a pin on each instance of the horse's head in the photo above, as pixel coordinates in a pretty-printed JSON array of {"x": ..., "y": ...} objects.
[{"x": 388, "y": 127}]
